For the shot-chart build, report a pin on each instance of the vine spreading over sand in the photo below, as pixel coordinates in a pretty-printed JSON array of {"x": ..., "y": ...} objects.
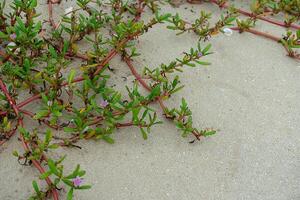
[{"x": 39, "y": 63}]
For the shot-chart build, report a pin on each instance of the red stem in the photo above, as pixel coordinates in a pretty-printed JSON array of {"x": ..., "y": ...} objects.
[
  {"x": 147, "y": 87},
  {"x": 78, "y": 79},
  {"x": 110, "y": 55},
  {"x": 142, "y": 82},
  {"x": 272, "y": 21},
  {"x": 10, "y": 100},
  {"x": 37, "y": 96},
  {"x": 77, "y": 55},
  {"x": 38, "y": 166},
  {"x": 126, "y": 124},
  {"x": 25, "y": 145},
  {"x": 266, "y": 35},
  {"x": 136, "y": 74},
  {"x": 50, "y": 11}
]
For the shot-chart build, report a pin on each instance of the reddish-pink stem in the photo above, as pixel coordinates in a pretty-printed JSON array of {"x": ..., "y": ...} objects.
[
  {"x": 142, "y": 82},
  {"x": 110, "y": 55},
  {"x": 266, "y": 35},
  {"x": 38, "y": 166},
  {"x": 147, "y": 87},
  {"x": 272, "y": 21},
  {"x": 10, "y": 100},
  {"x": 50, "y": 11},
  {"x": 136, "y": 74},
  {"x": 25, "y": 145}
]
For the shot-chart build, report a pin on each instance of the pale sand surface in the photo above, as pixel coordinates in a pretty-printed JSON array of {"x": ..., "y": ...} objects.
[{"x": 250, "y": 93}]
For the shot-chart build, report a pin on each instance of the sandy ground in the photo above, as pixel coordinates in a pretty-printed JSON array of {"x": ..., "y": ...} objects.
[{"x": 250, "y": 93}]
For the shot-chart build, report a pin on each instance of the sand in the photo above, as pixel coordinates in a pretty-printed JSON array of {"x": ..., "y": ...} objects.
[{"x": 250, "y": 93}]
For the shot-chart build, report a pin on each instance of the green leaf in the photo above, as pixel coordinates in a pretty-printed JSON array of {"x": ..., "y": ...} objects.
[
  {"x": 297, "y": 33},
  {"x": 183, "y": 103},
  {"x": 67, "y": 182},
  {"x": 144, "y": 134},
  {"x": 202, "y": 62},
  {"x": 52, "y": 52},
  {"x": 56, "y": 113},
  {"x": 108, "y": 139},
  {"x": 206, "y": 49},
  {"x": 177, "y": 89},
  {"x": 66, "y": 47},
  {"x": 3, "y": 35},
  {"x": 161, "y": 18},
  {"x": 81, "y": 173},
  {"x": 229, "y": 20},
  {"x": 15, "y": 153},
  {"x": 40, "y": 114},
  {"x": 24, "y": 132},
  {"x": 69, "y": 130},
  {"x": 171, "y": 27},
  {"x": 33, "y": 4},
  {"x": 26, "y": 64},
  {"x": 74, "y": 173},
  {"x": 155, "y": 92},
  {"x": 44, "y": 98},
  {"x": 45, "y": 175},
  {"x": 35, "y": 187},
  {"x": 71, "y": 76},
  {"x": 144, "y": 115},
  {"x": 191, "y": 64},
  {"x": 206, "y": 133},
  {"x": 84, "y": 187},
  {"x": 52, "y": 167},
  {"x": 21, "y": 25},
  {"x": 135, "y": 113},
  {"x": 48, "y": 136},
  {"x": 70, "y": 194}
]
